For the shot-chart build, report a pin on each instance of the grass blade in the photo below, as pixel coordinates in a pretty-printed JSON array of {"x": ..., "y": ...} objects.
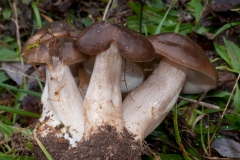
[
  {"x": 21, "y": 90},
  {"x": 165, "y": 16},
  {"x": 37, "y": 14},
  {"x": 13, "y": 157},
  {"x": 222, "y": 52},
  {"x": 177, "y": 135},
  {"x": 43, "y": 149},
  {"x": 225, "y": 27},
  {"x": 18, "y": 111}
]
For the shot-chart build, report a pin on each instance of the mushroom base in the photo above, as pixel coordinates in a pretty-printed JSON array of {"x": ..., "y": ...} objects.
[{"x": 107, "y": 144}]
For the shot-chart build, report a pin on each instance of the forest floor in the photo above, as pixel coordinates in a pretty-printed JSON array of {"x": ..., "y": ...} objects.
[{"x": 191, "y": 131}]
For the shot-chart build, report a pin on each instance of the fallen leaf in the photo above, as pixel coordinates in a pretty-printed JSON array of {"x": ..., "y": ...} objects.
[
  {"x": 227, "y": 147},
  {"x": 14, "y": 71}
]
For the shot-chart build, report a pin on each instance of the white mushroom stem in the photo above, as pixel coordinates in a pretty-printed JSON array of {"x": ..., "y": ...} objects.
[
  {"x": 131, "y": 75},
  {"x": 147, "y": 106},
  {"x": 47, "y": 119},
  {"x": 62, "y": 103},
  {"x": 103, "y": 101}
]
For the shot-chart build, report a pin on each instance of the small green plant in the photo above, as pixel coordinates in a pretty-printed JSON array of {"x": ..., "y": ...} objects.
[{"x": 30, "y": 46}]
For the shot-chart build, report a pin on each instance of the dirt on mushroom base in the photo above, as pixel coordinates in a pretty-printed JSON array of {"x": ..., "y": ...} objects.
[{"x": 108, "y": 144}]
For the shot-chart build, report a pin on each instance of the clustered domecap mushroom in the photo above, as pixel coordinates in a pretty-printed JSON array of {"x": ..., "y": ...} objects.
[
  {"x": 184, "y": 67},
  {"x": 103, "y": 101},
  {"x": 147, "y": 105},
  {"x": 61, "y": 96},
  {"x": 55, "y": 46}
]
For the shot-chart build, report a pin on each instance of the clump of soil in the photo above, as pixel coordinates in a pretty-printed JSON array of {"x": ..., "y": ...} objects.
[
  {"x": 107, "y": 144},
  {"x": 21, "y": 143}
]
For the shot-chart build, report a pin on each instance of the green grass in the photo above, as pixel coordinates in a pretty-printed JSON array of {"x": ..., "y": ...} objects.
[{"x": 156, "y": 18}]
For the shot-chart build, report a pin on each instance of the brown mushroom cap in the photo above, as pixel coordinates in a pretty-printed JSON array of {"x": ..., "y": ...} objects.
[
  {"x": 39, "y": 55},
  {"x": 99, "y": 36},
  {"x": 55, "y": 29},
  {"x": 63, "y": 48},
  {"x": 67, "y": 51},
  {"x": 186, "y": 52},
  {"x": 57, "y": 39}
]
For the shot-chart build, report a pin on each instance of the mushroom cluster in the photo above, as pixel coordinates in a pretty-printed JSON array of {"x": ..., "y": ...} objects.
[
  {"x": 55, "y": 46},
  {"x": 98, "y": 123}
]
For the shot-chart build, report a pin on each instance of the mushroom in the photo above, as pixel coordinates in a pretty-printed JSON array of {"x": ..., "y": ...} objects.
[
  {"x": 62, "y": 116},
  {"x": 103, "y": 101},
  {"x": 131, "y": 75},
  {"x": 54, "y": 29},
  {"x": 184, "y": 67}
]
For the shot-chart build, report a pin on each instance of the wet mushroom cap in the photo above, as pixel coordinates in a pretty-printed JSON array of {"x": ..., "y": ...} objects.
[
  {"x": 202, "y": 75},
  {"x": 64, "y": 48},
  {"x": 67, "y": 51},
  {"x": 38, "y": 55},
  {"x": 52, "y": 30},
  {"x": 99, "y": 36},
  {"x": 56, "y": 39}
]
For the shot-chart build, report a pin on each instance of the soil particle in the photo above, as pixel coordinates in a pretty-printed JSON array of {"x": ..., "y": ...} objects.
[{"x": 106, "y": 144}]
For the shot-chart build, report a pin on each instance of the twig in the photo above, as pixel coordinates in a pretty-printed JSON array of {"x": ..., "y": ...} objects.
[
  {"x": 208, "y": 105},
  {"x": 21, "y": 74},
  {"x": 18, "y": 39},
  {"x": 39, "y": 72},
  {"x": 106, "y": 10},
  {"x": 17, "y": 26},
  {"x": 225, "y": 109},
  {"x": 22, "y": 11},
  {"x": 46, "y": 17},
  {"x": 194, "y": 106}
]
